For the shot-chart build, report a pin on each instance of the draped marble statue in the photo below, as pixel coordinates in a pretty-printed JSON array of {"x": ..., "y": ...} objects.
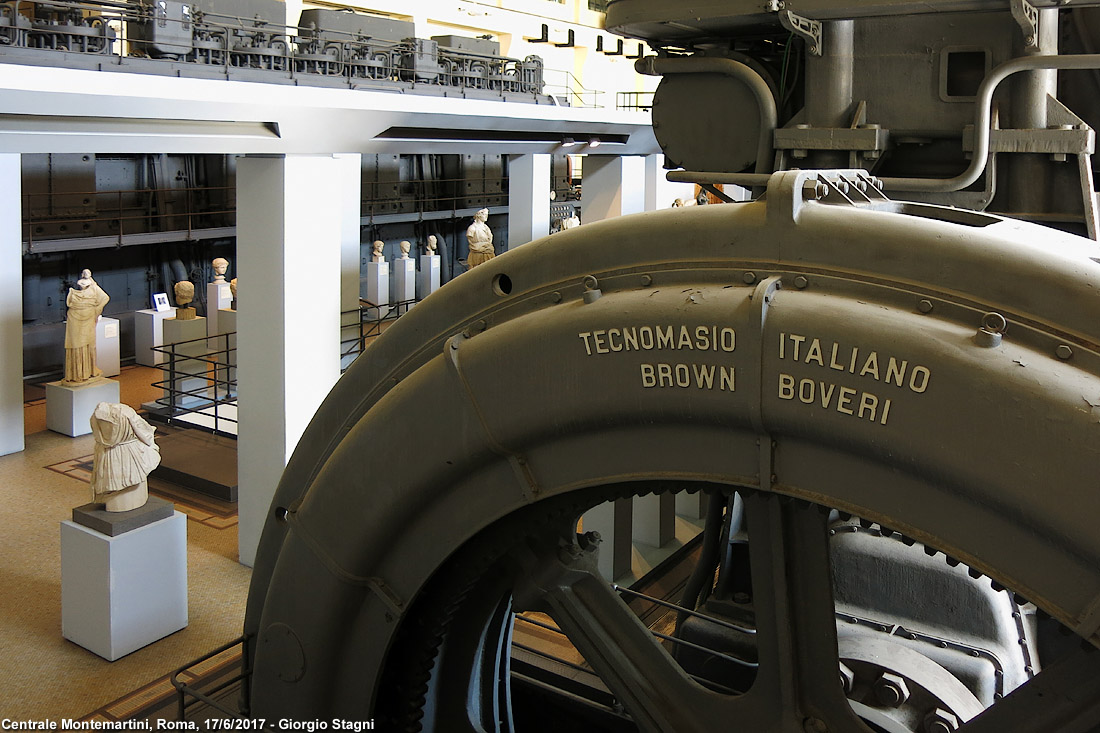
[
  {"x": 125, "y": 454},
  {"x": 85, "y": 303},
  {"x": 480, "y": 237}
]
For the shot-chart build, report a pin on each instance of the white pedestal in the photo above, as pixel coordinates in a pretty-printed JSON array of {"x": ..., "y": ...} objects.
[
  {"x": 429, "y": 275},
  {"x": 149, "y": 332},
  {"x": 378, "y": 288},
  {"x": 107, "y": 346},
  {"x": 69, "y": 408},
  {"x": 227, "y": 362},
  {"x": 186, "y": 374},
  {"x": 404, "y": 281},
  {"x": 219, "y": 296},
  {"x": 121, "y": 593}
]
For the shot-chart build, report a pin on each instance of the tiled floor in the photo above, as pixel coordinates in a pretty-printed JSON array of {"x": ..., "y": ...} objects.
[{"x": 44, "y": 676}]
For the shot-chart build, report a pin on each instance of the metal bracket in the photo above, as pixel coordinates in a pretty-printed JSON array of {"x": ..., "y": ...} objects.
[
  {"x": 1027, "y": 17},
  {"x": 808, "y": 30}
]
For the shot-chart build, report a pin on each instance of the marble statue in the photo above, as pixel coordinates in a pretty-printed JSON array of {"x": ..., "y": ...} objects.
[
  {"x": 220, "y": 266},
  {"x": 378, "y": 245},
  {"x": 85, "y": 306},
  {"x": 185, "y": 293},
  {"x": 480, "y": 237},
  {"x": 233, "y": 289},
  {"x": 570, "y": 222},
  {"x": 125, "y": 454},
  {"x": 432, "y": 245},
  {"x": 405, "y": 247}
]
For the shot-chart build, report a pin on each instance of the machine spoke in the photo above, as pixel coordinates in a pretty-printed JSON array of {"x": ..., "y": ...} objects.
[
  {"x": 639, "y": 671},
  {"x": 796, "y": 626}
]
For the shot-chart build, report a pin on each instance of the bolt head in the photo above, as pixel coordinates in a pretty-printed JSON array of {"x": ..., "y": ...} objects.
[
  {"x": 941, "y": 721},
  {"x": 891, "y": 690},
  {"x": 749, "y": 278},
  {"x": 925, "y": 306},
  {"x": 801, "y": 282},
  {"x": 1064, "y": 351},
  {"x": 813, "y": 725}
]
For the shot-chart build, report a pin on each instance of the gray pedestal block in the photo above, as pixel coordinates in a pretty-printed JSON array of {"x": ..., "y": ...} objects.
[{"x": 107, "y": 351}]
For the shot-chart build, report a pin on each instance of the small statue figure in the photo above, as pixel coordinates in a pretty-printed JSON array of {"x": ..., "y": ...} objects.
[
  {"x": 233, "y": 290},
  {"x": 125, "y": 454},
  {"x": 85, "y": 306},
  {"x": 185, "y": 293},
  {"x": 480, "y": 237},
  {"x": 432, "y": 245},
  {"x": 220, "y": 266},
  {"x": 378, "y": 245},
  {"x": 405, "y": 247},
  {"x": 571, "y": 222}
]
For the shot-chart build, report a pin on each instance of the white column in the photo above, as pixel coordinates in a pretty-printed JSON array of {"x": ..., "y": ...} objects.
[
  {"x": 351, "y": 179},
  {"x": 528, "y": 198},
  {"x": 612, "y": 185},
  {"x": 289, "y": 211},
  {"x": 11, "y": 307},
  {"x": 659, "y": 191}
]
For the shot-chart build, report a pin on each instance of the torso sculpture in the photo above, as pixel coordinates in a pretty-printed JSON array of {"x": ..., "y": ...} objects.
[
  {"x": 85, "y": 306},
  {"x": 480, "y": 237},
  {"x": 125, "y": 453}
]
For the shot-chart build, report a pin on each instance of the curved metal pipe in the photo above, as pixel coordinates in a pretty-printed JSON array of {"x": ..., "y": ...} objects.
[
  {"x": 981, "y": 132},
  {"x": 769, "y": 117}
]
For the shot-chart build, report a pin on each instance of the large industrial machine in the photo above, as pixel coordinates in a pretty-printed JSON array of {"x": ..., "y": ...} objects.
[{"x": 892, "y": 406}]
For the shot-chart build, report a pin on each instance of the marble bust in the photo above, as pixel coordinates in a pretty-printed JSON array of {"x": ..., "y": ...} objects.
[
  {"x": 432, "y": 245},
  {"x": 220, "y": 266},
  {"x": 377, "y": 248},
  {"x": 233, "y": 288},
  {"x": 185, "y": 293},
  {"x": 125, "y": 454},
  {"x": 405, "y": 247},
  {"x": 85, "y": 303},
  {"x": 480, "y": 237}
]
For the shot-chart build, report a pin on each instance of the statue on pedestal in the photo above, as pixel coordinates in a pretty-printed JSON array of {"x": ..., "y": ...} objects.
[
  {"x": 405, "y": 247},
  {"x": 220, "y": 266},
  {"x": 185, "y": 293},
  {"x": 431, "y": 246},
  {"x": 125, "y": 454},
  {"x": 377, "y": 250},
  {"x": 85, "y": 306},
  {"x": 480, "y": 237}
]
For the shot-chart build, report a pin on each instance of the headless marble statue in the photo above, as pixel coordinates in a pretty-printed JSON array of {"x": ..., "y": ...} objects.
[
  {"x": 125, "y": 454},
  {"x": 85, "y": 306}
]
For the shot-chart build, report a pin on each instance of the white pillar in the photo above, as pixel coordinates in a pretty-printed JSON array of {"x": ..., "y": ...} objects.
[
  {"x": 659, "y": 191},
  {"x": 351, "y": 165},
  {"x": 11, "y": 307},
  {"x": 289, "y": 211},
  {"x": 612, "y": 185},
  {"x": 528, "y": 198}
]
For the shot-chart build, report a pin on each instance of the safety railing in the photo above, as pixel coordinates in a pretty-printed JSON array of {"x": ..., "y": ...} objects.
[
  {"x": 639, "y": 101},
  {"x": 200, "y": 379},
  {"x": 187, "y": 696},
  {"x": 570, "y": 90}
]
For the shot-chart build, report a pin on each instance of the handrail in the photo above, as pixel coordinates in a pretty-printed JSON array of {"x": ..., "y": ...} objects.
[{"x": 183, "y": 689}]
